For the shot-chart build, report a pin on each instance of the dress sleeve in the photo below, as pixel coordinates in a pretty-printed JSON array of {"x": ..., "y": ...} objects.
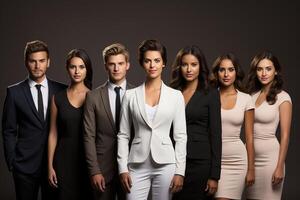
[
  {"x": 282, "y": 97},
  {"x": 249, "y": 102}
]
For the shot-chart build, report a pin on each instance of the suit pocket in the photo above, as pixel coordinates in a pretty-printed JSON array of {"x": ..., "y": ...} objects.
[
  {"x": 136, "y": 140},
  {"x": 166, "y": 142}
]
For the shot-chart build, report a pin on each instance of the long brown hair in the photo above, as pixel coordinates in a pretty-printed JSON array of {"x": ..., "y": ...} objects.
[
  {"x": 253, "y": 84},
  {"x": 177, "y": 80},
  {"x": 238, "y": 83}
]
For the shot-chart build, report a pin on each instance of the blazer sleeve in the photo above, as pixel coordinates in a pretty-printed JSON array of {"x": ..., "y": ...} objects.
[
  {"x": 124, "y": 135},
  {"x": 89, "y": 135},
  {"x": 179, "y": 135},
  {"x": 215, "y": 128},
  {"x": 9, "y": 128}
]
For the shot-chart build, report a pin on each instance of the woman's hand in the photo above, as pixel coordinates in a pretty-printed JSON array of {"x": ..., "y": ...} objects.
[
  {"x": 176, "y": 183},
  {"x": 211, "y": 187},
  {"x": 250, "y": 177},
  {"x": 126, "y": 181},
  {"x": 52, "y": 178},
  {"x": 278, "y": 175}
]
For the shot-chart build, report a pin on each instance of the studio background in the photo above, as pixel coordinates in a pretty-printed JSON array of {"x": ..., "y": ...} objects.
[{"x": 242, "y": 27}]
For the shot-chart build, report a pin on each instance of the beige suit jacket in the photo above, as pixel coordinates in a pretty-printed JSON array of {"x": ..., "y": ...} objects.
[{"x": 100, "y": 136}]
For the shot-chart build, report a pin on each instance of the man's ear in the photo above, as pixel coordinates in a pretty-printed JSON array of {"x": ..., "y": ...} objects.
[{"x": 128, "y": 66}]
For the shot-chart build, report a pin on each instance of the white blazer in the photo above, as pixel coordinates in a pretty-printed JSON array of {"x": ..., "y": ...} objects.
[{"x": 153, "y": 137}]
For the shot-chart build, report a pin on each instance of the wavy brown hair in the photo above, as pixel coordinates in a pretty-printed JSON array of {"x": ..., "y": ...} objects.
[
  {"x": 238, "y": 83},
  {"x": 177, "y": 80},
  {"x": 253, "y": 84}
]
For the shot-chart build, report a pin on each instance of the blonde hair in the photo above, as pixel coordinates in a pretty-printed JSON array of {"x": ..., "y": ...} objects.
[{"x": 115, "y": 49}]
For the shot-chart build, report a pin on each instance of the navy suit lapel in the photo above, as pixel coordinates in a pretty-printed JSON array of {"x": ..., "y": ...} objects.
[
  {"x": 29, "y": 99},
  {"x": 50, "y": 94}
]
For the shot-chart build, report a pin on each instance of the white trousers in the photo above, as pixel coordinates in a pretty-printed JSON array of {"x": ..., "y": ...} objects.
[{"x": 148, "y": 175}]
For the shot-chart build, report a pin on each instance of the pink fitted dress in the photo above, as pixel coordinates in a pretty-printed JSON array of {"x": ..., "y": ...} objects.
[
  {"x": 266, "y": 148},
  {"x": 234, "y": 154}
]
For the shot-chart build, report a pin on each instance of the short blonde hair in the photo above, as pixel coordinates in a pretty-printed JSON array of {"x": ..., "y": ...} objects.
[{"x": 115, "y": 49}]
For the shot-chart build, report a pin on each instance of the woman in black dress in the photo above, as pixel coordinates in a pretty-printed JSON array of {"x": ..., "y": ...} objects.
[
  {"x": 203, "y": 120},
  {"x": 66, "y": 164}
]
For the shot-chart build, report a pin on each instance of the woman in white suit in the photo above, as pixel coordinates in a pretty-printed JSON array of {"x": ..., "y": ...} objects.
[{"x": 152, "y": 109}]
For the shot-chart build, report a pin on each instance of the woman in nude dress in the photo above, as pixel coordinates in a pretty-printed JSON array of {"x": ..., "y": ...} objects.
[
  {"x": 272, "y": 105},
  {"x": 237, "y": 165}
]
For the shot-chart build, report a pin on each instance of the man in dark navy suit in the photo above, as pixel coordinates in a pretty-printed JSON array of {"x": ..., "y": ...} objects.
[{"x": 25, "y": 124}]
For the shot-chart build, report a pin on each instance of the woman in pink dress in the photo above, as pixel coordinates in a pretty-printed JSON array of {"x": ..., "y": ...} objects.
[
  {"x": 272, "y": 105},
  {"x": 237, "y": 164}
]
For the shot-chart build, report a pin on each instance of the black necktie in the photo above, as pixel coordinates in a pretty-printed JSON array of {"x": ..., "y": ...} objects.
[
  {"x": 40, "y": 101},
  {"x": 118, "y": 108}
]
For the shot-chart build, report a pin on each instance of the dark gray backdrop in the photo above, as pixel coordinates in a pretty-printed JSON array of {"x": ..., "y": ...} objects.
[{"x": 244, "y": 28}]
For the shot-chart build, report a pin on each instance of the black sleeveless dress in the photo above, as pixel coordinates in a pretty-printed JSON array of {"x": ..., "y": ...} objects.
[{"x": 69, "y": 162}]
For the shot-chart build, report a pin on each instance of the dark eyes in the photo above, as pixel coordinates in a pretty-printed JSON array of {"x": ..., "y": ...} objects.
[
  {"x": 223, "y": 69},
  {"x": 74, "y": 66},
  {"x": 192, "y": 64},
  {"x": 156, "y": 60},
  {"x": 260, "y": 69}
]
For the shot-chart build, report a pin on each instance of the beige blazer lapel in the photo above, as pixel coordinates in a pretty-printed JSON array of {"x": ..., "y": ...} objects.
[
  {"x": 105, "y": 100},
  {"x": 140, "y": 96}
]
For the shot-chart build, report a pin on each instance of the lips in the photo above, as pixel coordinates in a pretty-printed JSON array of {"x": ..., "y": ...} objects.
[
  {"x": 152, "y": 71},
  {"x": 264, "y": 79},
  {"x": 226, "y": 80}
]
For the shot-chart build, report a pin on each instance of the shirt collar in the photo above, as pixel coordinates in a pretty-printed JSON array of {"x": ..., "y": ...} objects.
[
  {"x": 112, "y": 85},
  {"x": 32, "y": 83}
]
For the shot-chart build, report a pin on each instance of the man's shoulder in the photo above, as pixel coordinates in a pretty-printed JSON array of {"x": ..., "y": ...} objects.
[{"x": 18, "y": 85}]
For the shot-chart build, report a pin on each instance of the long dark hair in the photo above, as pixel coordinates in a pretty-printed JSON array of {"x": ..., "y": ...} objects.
[
  {"x": 177, "y": 80},
  {"x": 253, "y": 84},
  {"x": 238, "y": 83},
  {"x": 80, "y": 53}
]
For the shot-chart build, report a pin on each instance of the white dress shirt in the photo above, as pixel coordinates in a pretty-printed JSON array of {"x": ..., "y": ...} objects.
[
  {"x": 34, "y": 93},
  {"x": 112, "y": 96}
]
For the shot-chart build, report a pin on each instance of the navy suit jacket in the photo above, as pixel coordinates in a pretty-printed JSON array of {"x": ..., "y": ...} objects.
[{"x": 25, "y": 134}]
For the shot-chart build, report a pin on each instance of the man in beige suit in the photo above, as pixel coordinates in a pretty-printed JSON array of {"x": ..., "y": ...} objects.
[{"x": 101, "y": 124}]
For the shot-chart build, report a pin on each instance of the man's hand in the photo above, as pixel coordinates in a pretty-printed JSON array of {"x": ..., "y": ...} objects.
[{"x": 98, "y": 182}]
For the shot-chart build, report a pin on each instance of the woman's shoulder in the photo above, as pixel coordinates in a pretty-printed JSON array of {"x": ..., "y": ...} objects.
[
  {"x": 244, "y": 95},
  {"x": 283, "y": 96}
]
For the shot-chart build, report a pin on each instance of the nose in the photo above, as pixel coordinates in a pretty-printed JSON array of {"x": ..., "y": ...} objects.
[
  {"x": 226, "y": 73},
  {"x": 188, "y": 68},
  {"x": 76, "y": 70},
  {"x": 264, "y": 72},
  {"x": 116, "y": 68},
  {"x": 151, "y": 64}
]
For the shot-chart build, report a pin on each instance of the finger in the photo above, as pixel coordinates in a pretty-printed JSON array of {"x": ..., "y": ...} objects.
[
  {"x": 273, "y": 179},
  {"x": 172, "y": 185},
  {"x": 103, "y": 184},
  {"x": 212, "y": 191},
  {"x": 100, "y": 186},
  {"x": 126, "y": 185},
  {"x": 207, "y": 188},
  {"x": 55, "y": 180}
]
